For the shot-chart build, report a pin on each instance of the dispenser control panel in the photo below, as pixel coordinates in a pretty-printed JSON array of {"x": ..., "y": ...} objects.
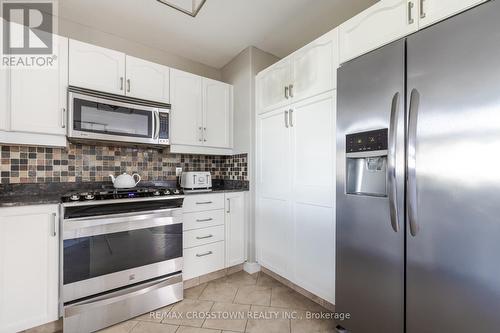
[{"x": 367, "y": 141}]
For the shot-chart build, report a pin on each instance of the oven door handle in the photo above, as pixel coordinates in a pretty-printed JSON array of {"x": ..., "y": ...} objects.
[
  {"x": 129, "y": 216},
  {"x": 100, "y": 301},
  {"x": 92, "y": 226}
]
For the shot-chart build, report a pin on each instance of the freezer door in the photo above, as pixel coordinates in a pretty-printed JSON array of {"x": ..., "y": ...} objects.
[
  {"x": 370, "y": 252},
  {"x": 453, "y": 268}
]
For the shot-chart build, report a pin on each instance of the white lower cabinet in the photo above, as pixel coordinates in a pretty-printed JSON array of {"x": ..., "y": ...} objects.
[
  {"x": 214, "y": 232},
  {"x": 235, "y": 229},
  {"x": 203, "y": 259},
  {"x": 295, "y": 215},
  {"x": 197, "y": 237},
  {"x": 29, "y": 267}
]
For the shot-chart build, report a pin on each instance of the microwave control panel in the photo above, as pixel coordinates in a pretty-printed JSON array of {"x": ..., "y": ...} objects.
[
  {"x": 367, "y": 141},
  {"x": 164, "y": 128}
]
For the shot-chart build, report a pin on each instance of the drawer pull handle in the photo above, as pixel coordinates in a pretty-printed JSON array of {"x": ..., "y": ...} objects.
[
  {"x": 205, "y": 220},
  {"x": 205, "y": 237},
  {"x": 204, "y": 254},
  {"x": 204, "y": 203}
]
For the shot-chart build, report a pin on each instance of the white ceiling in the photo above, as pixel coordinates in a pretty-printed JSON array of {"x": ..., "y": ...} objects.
[{"x": 221, "y": 30}]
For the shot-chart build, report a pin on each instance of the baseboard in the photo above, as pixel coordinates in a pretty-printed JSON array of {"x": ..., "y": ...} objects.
[
  {"x": 251, "y": 267},
  {"x": 53, "y": 327},
  {"x": 212, "y": 276},
  {"x": 316, "y": 299}
]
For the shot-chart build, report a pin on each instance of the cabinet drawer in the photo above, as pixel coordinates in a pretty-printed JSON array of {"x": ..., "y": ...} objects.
[
  {"x": 203, "y": 259},
  {"x": 203, "y": 236},
  {"x": 201, "y": 202},
  {"x": 206, "y": 219}
]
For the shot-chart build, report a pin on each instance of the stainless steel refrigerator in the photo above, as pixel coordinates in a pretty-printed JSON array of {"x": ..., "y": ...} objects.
[{"x": 418, "y": 181}]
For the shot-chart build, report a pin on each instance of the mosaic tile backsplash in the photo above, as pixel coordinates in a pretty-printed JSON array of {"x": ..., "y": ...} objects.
[{"x": 84, "y": 163}]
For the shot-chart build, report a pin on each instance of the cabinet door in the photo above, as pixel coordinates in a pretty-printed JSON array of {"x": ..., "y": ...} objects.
[
  {"x": 271, "y": 86},
  {"x": 186, "y": 98},
  {"x": 382, "y": 23},
  {"x": 217, "y": 114},
  {"x": 432, "y": 11},
  {"x": 273, "y": 224},
  {"x": 313, "y": 198},
  {"x": 96, "y": 68},
  {"x": 38, "y": 96},
  {"x": 314, "y": 67},
  {"x": 4, "y": 98},
  {"x": 29, "y": 260},
  {"x": 147, "y": 80},
  {"x": 235, "y": 229}
]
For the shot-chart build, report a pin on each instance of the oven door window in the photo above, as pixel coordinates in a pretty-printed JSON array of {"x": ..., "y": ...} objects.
[
  {"x": 93, "y": 256},
  {"x": 102, "y": 118}
]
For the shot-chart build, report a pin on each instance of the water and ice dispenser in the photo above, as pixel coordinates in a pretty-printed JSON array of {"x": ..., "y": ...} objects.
[{"x": 366, "y": 163}]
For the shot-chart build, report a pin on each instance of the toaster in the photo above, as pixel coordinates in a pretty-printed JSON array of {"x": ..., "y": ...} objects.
[{"x": 196, "y": 181}]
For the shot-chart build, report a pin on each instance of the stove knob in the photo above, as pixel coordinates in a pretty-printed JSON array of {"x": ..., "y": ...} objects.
[
  {"x": 74, "y": 197},
  {"x": 89, "y": 196},
  {"x": 177, "y": 191},
  {"x": 156, "y": 193},
  {"x": 167, "y": 192}
]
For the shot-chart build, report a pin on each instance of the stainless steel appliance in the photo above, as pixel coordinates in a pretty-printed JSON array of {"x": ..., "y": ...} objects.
[
  {"x": 418, "y": 229},
  {"x": 196, "y": 181},
  {"x": 100, "y": 116},
  {"x": 122, "y": 255}
]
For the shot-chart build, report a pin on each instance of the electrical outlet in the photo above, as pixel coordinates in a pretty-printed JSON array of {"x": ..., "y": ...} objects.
[{"x": 178, "y": 172}]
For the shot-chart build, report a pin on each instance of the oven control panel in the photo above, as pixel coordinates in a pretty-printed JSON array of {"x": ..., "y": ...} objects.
[{"x": 367, "y": 141}]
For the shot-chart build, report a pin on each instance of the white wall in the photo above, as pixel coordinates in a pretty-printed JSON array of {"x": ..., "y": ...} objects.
[
  {"x": 89, "y": 35},
  {"x": 240, "y": 72}
]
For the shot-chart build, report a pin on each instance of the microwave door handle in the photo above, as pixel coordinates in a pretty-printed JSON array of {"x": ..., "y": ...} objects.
[{"x": 157, "y": 124}]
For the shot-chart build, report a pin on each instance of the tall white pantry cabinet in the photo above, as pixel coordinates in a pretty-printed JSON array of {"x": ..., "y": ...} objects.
[{"x": 295, "y": 185}]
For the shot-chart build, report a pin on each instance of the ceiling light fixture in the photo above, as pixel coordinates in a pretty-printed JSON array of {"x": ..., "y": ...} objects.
[{"x": 190, "y": 7}]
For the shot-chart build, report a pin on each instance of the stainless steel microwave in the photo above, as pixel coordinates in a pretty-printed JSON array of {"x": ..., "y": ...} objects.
[{"x": 99, "y": 116}]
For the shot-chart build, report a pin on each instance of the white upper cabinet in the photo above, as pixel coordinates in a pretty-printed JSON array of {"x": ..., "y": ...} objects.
[
  {"x": 147, "y": 80},
  {"x": 315, "y": 67},
  {"x": 310, "y": 71},
  {"x": 29, "y": 267},
  {"x": 235, "y": 228},
  {"x": 382, "y": 23},
  {"x": 186, "y": 98},
  {"x": 38, "y": 97},
  {"x": 273, "y": 85},
  {"x": 217, "y": 115},
  {"x": 390, "y": 20},
  {"x": 202, "y": 112},
  {"x": 432, "y": 11},
  {"x": 96, "y": 68}
]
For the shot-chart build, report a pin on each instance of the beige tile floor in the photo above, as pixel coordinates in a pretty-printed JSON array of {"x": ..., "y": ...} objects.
[{"x": 258, "y": 304}]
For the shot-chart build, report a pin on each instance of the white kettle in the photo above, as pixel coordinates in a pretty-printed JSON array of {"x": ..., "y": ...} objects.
[{"x": 125, "y": 180}]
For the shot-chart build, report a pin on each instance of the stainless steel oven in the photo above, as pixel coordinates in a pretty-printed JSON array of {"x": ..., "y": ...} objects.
[
  {"x": 121, "y": 258},
  {"x": 100, "y": 116}
]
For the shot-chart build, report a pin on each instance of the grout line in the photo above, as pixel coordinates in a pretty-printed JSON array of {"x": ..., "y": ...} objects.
[
  {"x": 205, "y": 319},
  {"x": 132, "y": 328}
]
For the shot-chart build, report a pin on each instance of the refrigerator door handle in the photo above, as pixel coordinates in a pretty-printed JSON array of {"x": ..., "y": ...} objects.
[
  {"x": 391, "y": 168},
  {"x": 411, "y": 150}
]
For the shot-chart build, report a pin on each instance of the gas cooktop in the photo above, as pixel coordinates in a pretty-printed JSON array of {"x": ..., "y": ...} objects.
[{"x": 112, "y": 194}]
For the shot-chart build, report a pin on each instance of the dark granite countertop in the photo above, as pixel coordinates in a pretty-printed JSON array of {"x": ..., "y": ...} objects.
[{"x": 12, "y": 195}]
